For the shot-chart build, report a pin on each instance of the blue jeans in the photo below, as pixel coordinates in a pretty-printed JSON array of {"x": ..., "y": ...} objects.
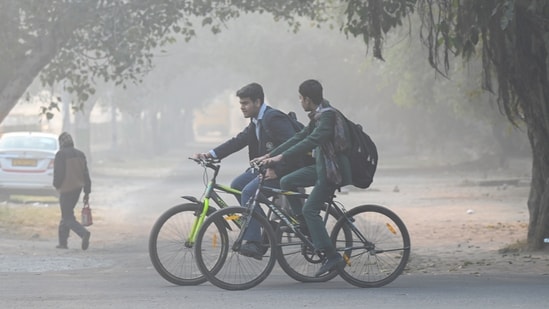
[{"x": 247, "y": 183}]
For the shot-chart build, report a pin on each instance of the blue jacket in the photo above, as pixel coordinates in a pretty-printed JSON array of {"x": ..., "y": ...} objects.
[{"x": 275, "y": 128}]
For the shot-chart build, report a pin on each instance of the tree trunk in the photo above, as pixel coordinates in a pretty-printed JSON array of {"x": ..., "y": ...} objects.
[
  {"x": 538, "y": 201},
  {"x": 529, "y": 80},
  {"x": 82, "y": 133},
  {"x": 24, "y": 74},
  {"x": 67, "y": 110}
]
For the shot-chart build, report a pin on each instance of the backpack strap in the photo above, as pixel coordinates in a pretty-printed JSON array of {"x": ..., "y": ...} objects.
[
  {"x": 291, "y": 116},
  {"x": 340, "y": 143}
]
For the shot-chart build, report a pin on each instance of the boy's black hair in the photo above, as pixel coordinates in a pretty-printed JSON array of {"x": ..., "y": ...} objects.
[
  {"x": 253, "y": 91},
  {"x": 311, "y": 89}
]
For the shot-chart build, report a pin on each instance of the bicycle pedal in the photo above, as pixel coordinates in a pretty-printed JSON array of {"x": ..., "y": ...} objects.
[{"x": 305, "y": 250}]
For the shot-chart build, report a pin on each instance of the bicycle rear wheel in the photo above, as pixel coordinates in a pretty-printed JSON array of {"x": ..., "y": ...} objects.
[
  {"x": 170, "y": 251},
  {"x": 379, "y": 248},
  {"x": 235, "y": 271},
  {"x": 298, "y": 261}
]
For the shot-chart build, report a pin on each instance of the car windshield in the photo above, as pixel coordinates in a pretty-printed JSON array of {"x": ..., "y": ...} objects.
[{"x": 28, "y": 142}]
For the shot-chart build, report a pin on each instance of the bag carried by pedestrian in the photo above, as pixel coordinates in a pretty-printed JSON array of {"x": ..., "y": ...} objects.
[{"x": 87, "y": 218}]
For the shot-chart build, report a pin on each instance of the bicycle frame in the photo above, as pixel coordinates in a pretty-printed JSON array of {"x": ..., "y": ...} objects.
[
  {"x": 259, "y": 197},
  {"x": 210, "y": 193}
]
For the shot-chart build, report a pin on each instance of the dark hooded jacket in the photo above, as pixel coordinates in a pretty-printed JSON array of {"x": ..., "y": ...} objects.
[{"x": 70, "y": 169}]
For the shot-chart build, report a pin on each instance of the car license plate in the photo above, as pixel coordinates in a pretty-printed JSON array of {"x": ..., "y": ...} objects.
[{"x": 23, "y": 162}]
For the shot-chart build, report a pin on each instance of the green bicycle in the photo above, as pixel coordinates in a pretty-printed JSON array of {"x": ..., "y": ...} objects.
[{"x": 173, "y": 236}]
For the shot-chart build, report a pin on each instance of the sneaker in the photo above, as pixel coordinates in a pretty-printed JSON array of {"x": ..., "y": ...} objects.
[
  {"x": 330, "y": 264},
  {"x": 252, "y": 249},
  {"x": 86, "y": 241},
  {"x": 61, "y": 247}
]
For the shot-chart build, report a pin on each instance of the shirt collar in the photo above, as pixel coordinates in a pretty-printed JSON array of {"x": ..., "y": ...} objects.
[
  {"x": 318, "y": 108},
  {"x": 260, "y": 114}
]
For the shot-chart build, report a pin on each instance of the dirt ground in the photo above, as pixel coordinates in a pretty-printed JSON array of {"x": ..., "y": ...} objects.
[
  {"x": 471, "y": 222},
  {"x": 469, "y": 229}
]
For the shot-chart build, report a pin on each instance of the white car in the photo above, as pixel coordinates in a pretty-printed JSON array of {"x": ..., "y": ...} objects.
[{"x": 26, "y": 163}]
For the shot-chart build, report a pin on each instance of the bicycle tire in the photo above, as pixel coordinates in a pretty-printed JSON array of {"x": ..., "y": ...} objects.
[
  {"x": 298, "y": 262},
  {"x": 377, "y": 265},
  {"x": 172, "y": 257},
  {"x": 235, "y": 271}
]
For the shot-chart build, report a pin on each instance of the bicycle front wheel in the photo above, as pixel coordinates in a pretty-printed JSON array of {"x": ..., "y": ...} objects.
[
  {"x": 219, "y": 259},
  {"x": 170, "y": 247},
  {"x": 379, "y": 248}
]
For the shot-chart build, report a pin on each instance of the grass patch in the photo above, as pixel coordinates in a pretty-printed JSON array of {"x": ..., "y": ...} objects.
[
  {"x": 30, "y": 199},
  {"x": 518, "y": 246},
  {"x": 29, "y": 220}
]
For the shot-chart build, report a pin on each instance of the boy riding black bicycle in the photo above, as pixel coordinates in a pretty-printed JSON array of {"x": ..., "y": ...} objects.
[{"x": 326, "y": 135}]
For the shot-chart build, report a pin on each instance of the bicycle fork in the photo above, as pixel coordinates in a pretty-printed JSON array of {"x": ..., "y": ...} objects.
[
  {"x": 200, "y": 215},
  {"x": 197, "y": 224}
]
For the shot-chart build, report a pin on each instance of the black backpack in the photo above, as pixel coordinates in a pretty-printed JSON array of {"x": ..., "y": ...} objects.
[
  {"x": 362, "y": 153},
  {"x": 298, "y": 126},
  {"x": 362, "y": 156}
]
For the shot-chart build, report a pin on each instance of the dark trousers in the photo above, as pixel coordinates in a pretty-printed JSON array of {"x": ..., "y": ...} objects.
[
  {"x": 306, "y": 177},
  {"x": 68, "y": 222}
]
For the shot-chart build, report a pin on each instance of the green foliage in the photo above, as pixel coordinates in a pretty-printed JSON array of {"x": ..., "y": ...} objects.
[
  {"x": 372, "y": 19},
  {"x": 48, "y": 111},
  {"x": 81, "y": 43},
  {"x": 493, "y": 28}
]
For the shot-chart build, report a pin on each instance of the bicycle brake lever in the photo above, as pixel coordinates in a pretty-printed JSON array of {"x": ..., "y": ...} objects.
[{"x": 194, "y": 159}]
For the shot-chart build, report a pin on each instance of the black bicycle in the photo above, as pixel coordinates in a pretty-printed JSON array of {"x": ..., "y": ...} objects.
[{"x": 373, "y": 241}]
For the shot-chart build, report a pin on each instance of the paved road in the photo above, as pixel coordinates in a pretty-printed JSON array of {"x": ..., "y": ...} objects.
[
  {"x": 120, "y": 275},
  {"x": 138, "y": 286}
]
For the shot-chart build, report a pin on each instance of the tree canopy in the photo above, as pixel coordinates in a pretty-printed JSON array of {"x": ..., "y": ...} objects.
[{"x": 79, "y": 42}]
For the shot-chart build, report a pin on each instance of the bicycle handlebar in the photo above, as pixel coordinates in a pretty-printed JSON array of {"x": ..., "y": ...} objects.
[
  {"x": 256, "y": 165},
  {"x": 207, "y": 162},
  {"x": 260, "y": 166}
]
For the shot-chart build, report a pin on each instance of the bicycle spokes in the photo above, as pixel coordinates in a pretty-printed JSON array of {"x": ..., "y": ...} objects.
[{"x": 375, "y": 246}]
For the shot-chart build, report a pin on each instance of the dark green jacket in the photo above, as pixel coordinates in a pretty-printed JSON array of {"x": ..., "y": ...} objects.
[{"x": 310, "y": 138}]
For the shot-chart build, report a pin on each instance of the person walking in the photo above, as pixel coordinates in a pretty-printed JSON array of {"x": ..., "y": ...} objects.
[
  {"x": 325, "y": 135},
  {"x": 70, "y": 177},
  {"x": 267, "y": 129}
]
